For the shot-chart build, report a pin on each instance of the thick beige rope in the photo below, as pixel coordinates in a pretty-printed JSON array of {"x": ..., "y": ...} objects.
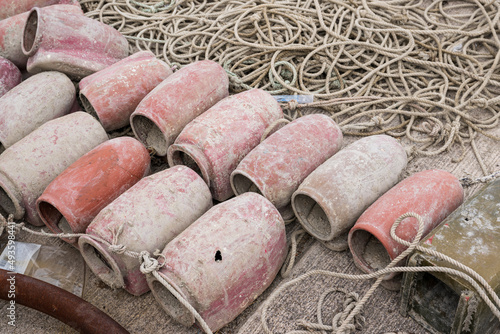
[
  {"x": 424, "y": 70},
  {"x": 480, "y": 285}
]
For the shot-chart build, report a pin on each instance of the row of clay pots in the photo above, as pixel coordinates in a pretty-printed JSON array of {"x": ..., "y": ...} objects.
[
  {"x": 339, "y": 193},
  {"x": 60, "y": 38}
]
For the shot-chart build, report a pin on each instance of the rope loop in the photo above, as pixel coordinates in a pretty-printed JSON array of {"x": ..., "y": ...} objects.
[{"x": 148, "y": 264}]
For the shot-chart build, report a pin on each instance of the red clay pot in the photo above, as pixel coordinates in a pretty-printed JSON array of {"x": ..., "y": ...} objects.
[
  {"x": 164, "y": 112},
  {"x": 10, "y": 8},
  {"x": 278, "y": 165},
  {"x": 144, "y": 218},
  {"x": 36, "y": 100},
  {"x": 433, "y": 194},
  {"x": 75, "y": 197},
  {"x": 215, "y": 142},
  {"x": 223, "y": 261},
  {"x": 113, "y": 93},
  {"x": 332, "y": 197},
  {"x": 10, "y": 76},
  {"x": 28, "y": 166},
  {"x": 11, "y": 34},
  {"x": 70, "y": 43}
]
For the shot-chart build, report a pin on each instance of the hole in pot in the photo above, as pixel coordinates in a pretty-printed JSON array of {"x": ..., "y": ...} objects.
[
  {"x": 149, "y": 134},
  {"x": 218, "y": 256},
  {"x": 435, "y": 301},
  {"x": 312, "y": 216},
  {"x": 30, "y": 30},
  {"x": 243, "y": 184}
]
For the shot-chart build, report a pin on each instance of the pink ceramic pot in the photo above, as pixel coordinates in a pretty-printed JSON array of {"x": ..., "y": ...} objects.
[
  {"x": 70, "y": 43},
  {"x": 10, "y": 8},
  {"x": 144, "y": 218},
  {"x": 113, "y": 93},
  {"x": 10, "y": 76},
  {"x": 215, "y": 142},
  {"x": 164, "y": 112},
  {"x": 75, "y": 197},
  {"x": 223, "y": 261},
  {"x": 11, "y": 34},
  {"x": 36, "y": 100},
  {"x": 28, "y": 166},
  {"x": 433, "y": 194},
  {"x": 278, "y": 165},
  {"x": 332, "y": 197}
]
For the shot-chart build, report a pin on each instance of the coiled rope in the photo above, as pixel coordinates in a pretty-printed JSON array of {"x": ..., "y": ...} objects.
[{"x": 427, "y": 71}]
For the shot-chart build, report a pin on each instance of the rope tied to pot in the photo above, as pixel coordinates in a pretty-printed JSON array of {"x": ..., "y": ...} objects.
[{"x": 484, "y": 290}]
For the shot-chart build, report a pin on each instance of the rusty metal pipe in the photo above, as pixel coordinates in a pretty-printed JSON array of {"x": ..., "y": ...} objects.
[{"x": 58, "y": 303}]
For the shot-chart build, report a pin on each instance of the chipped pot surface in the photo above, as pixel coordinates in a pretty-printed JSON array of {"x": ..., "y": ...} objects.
[
  {"x": 215, "y": 142},
  {"x": 28, "y": 166},
  {"x": 278, "y": 165},
  {"x": 149, "y": 214},
  {"x": 238, "y": 247},
  {"x": 78, "y": 194},
  {"x": 332, "y": 197}
]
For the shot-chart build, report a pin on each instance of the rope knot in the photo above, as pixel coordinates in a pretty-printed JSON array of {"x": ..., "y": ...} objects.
[
  {"x": 255, "y": 18},
  {"x": 148, "y": 264},
  {"x": 292, "y": 105},
  {"x": 377, "y": 120},
  {"x": 480, "y": 103},
  {"x": 118, "y": 249}
]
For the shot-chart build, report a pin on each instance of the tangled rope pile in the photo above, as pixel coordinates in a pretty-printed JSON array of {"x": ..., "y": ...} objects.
[{"x": 427, "y": 71}]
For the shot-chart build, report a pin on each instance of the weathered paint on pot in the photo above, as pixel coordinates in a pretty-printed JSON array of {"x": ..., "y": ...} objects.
[
  {"x": 36, "y": 100},
  {"x": 278, "y": 165},
  {"x": 11, "y": 34},
  {"x": 28, "y": 166},
  {"x": 433, "y": 194},
  {"x": 332, "y": 197},
  {"x": 10, "y": 76},
  {"x": 223, "y": 261},
  {"x": 76, "y": 196},
  {"x": 113, "y": 93},
  {"x": 183, "y": 96},
  {"x": 10, "y": 8},
  {"x": 144, "y": 218},
  {"x": 70, "y": 43},
  {"x": 215, "y": 142},
  {"x": 444, "y": 303}
]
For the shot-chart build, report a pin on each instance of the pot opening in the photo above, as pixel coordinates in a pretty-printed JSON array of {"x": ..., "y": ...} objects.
[
  {"x": 149, "y": 134},
  {"x": 242, "y": 184},
  {"x": 55, "y": 220},
  {"x": 6, "y": 202},
  {"x": 30, "y": 31},
  {"x": 435, "y": 302},
  {"x": 102, "y": 264},
  {"x": 312, "y": 217},
  {"x": 369, "y": 251},
  {"x": 171, "y": 304},
  {"x": 87, "y": 105}
]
